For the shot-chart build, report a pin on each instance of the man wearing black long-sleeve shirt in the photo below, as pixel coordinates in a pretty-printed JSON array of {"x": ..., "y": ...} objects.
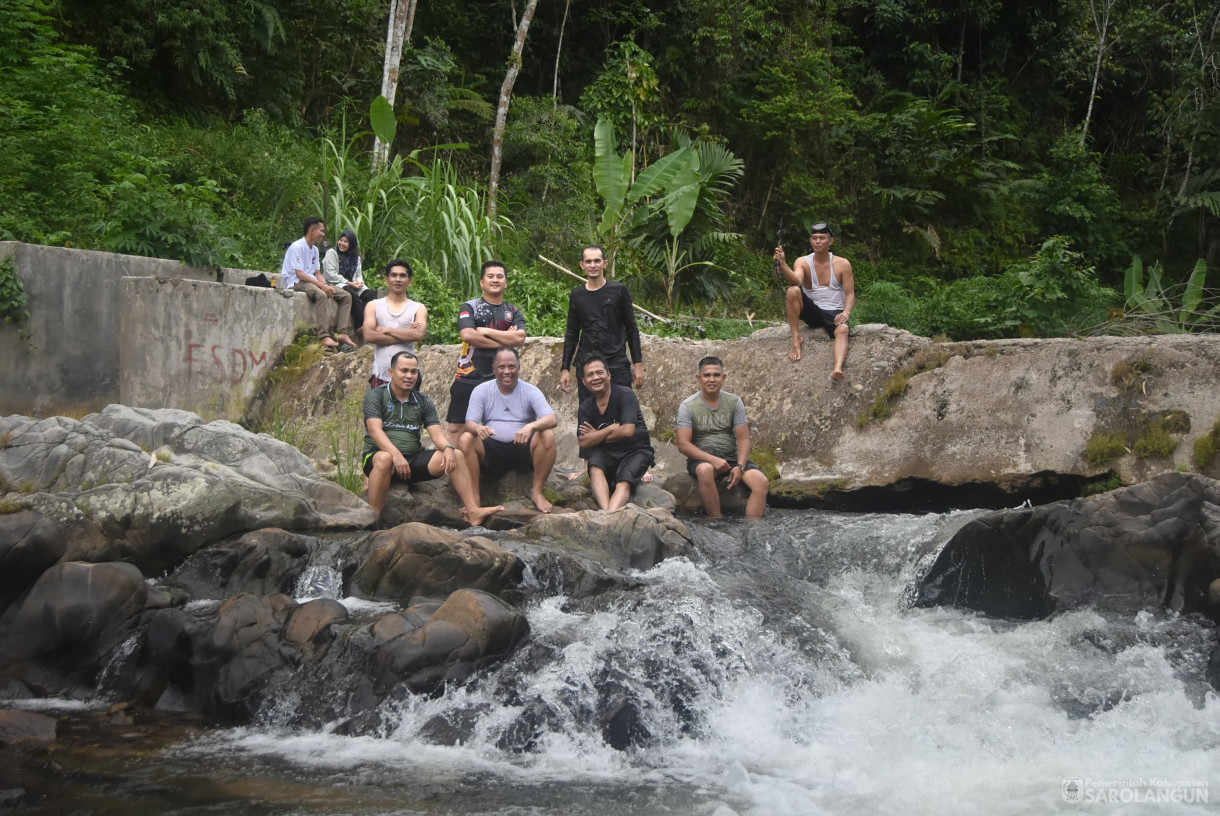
[{"x": 601, "y": 320}]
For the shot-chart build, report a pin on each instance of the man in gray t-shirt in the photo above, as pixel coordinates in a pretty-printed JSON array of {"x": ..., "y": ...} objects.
[
  {"x": 510, "y": 426},
  {"x": 713, "y": 434}
]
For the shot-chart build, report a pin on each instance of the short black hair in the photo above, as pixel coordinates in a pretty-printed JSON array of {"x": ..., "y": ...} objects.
[
  {"x": 598, "y": 247},
  {"x": 489, "y": 264},
  {"x": 410, "y": 355},
  {"x": 707, "y": 361},
  {"x": 309, "y": 222},
  {"x": 403, "y": 264},
  {"x": 497, "y": 352},
  {"x": 593, "y": 358}
]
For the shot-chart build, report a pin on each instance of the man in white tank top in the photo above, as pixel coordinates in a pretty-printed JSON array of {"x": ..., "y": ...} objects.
[
  {"x": 822, "y": 293},
  {"x": 393, "y": 323}
]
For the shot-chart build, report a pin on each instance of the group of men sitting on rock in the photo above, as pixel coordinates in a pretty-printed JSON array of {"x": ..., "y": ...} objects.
[{"x": 498, "y": 422}]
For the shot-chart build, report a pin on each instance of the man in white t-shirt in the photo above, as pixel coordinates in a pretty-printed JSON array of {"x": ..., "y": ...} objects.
[
  {"x": 510, "y": 426},
  {"x": 302, "y": 272},
  {"x": 393, "y": 323}
]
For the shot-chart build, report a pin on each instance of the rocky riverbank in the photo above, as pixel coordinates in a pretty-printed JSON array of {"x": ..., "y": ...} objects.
[{"x": 917, "y": 425}]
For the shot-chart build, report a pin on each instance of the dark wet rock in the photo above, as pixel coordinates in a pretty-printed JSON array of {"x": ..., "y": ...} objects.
[
  {"x": 241, "y": 652},
  {"x": 415, "y": 559},
  {"x": 262, "y": 562},
  {"x": 26, "y": 728},
  {"x": 470, "y": 630},
  {"x": 158, "y": 484},
  {"x": 29, "y": 544},
  {"x": 628, "y": 538},
  {"x": 72, "y": 616},
  {"x": 685, "y": 491},
  {"x": 1153, "y": 544},
  {"x": 310, "y": 623}
]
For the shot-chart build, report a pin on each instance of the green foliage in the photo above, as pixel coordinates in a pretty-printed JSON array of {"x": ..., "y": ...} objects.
[
  {"x": 1157, "y": 308},
  {"x": 147, "y": 214},
  {"x": 627, "y": 96},
  {"x": 1104, "y": 447},
  {"x": 1071, "y": 198},
  {"x": 13, "y": 300},
  {"x": 1156, "y": 442},
  {"x": 1207, "y": 447},
  {"x": 408, "y": 209},
  {"x": 1046, "y": 296},
  {"x": 1113, "y": 482}
]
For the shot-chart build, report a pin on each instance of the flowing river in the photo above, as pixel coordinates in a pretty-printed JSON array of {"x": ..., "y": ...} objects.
[{"x": 779, "y": 671}]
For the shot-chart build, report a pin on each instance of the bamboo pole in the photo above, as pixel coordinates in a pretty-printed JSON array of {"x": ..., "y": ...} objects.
[{"x": 580, "y": 278}]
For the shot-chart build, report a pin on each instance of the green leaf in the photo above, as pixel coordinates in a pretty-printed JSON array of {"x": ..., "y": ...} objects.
[
  {"x": 1133, "y": 281},
  {"x": 1194, "y": 288},
  {"x": 658, "y": 175},
  {"x": 683, "y": 196},
  {"x": 611, "y": 173},
  {"x": 381, "y": 114}
]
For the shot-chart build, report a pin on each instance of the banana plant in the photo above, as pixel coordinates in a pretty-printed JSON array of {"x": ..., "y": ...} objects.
[{"x": 1153, "y": 301}]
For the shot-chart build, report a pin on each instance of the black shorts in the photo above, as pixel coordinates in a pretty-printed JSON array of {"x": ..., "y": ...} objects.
[
  {"x": 622, "y": 467},
  {"x": 818, "y": 318},
  {"x": 419, "y": 466},
  {"x": 459, "y": 400},
  {"x": 691, "y": 464},
  {"x": 501, "y": 457}
]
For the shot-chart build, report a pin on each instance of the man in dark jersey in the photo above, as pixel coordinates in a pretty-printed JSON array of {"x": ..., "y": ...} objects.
[
  {"x": 614, "y": 435},
  {"x": 601, "y": 320},
  {"x": 485, "y": 323}
]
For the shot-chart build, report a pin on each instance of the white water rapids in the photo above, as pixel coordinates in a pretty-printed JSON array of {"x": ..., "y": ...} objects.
[{"x": 781, "y": 672}]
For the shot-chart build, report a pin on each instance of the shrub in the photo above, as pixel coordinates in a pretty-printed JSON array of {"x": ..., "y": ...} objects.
[{"x": 1104, "y": 447}]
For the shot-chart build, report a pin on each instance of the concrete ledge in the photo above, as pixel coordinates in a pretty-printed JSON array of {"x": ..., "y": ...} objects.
[{"x": 202, "y": 347}]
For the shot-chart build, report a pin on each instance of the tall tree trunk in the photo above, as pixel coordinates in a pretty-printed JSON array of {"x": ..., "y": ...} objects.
[
  {"x": 506, "y": 93},
  {"x": 559, "y": 50},
  {"x": 402, "y": 19},
  {"x": 1102, "y": 27}
]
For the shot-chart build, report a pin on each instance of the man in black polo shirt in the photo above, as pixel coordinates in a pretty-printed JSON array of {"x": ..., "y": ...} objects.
[
  {"x": 485, "y": 324},
  {"x": 394, "y": 415},
  {"x": 614, "y": 435}
]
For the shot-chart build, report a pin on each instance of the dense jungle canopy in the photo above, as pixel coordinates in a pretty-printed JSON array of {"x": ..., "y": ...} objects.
[{"x": 991, "y": 167}]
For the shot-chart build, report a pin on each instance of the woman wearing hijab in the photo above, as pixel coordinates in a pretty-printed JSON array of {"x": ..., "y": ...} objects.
[{"x": 341, "y": 267}]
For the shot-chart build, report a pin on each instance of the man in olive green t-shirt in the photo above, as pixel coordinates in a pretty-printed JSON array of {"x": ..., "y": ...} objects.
[{"x": 394, "y": 415}]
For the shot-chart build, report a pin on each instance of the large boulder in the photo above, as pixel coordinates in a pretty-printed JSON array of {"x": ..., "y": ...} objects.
[
  {"x": 69, "y": 620},
  {"x": 468, "y": 631},
  {"x": 415, "y": 559},
  {"x": 29, "y": 544},
  {"x": 1152, "y": 544},
  {"x": 262, "y": 562},
  {"x": 627, "y": 538},
  {"x": 158, "y": 484}
]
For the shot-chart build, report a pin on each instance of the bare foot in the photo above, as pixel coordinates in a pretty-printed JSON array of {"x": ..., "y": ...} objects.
[
  {"x": 540, "y": 502},
  {"x": 647, "y": 478},
  {"x": 329, "y": 342},
  {"x": 576, "y": 474},
  {"x": 836, "y": 375},
  {"x": 477, "y": 515},
  {"x": 343, "y": 338},
  {"x": 794, "y": 353}
]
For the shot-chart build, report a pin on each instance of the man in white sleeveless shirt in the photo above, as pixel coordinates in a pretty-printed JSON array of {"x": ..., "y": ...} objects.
[
  {"x": 393, "y": 323},
  {"x": 822, "y": 293}
]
